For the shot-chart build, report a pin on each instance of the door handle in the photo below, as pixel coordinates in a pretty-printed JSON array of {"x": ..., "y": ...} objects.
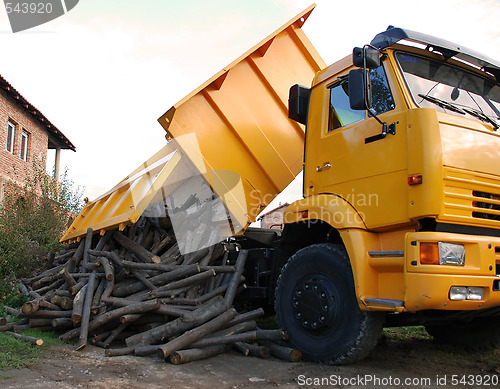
[{"x": 326, "y": 166}]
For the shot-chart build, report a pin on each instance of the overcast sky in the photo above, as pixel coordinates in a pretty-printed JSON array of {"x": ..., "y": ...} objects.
[{"x": 104, "y": 72}]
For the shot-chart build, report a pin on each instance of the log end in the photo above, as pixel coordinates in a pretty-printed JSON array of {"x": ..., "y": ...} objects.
[
  {"x": 295, "y": 355},
  {"x": 39, "y": 342},
  {"x": 162, "y": 354},
  {"x": 155, "y": 259},
  {"x": 175, "y": 358}
]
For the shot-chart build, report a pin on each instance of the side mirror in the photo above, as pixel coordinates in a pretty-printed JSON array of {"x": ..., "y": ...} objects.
[
  {"x": 298, "y": 103},
  {"x": 360, "y": 90},
  {"x": 366, "y": 56}
]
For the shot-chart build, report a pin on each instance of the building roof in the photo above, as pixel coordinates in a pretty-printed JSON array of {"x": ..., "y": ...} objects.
[
  {"x": 273, "y": 210},
  {"x": 58, "y": 136}
]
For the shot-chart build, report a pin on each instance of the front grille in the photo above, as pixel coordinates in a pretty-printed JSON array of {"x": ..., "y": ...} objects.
[
  {"x": 471, "y": 198},
  {"x": 487, "y": 205}
]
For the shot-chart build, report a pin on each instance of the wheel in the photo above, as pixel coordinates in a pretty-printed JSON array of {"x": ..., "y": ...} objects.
[
  {"x": 478, "y": 334},
  {"x": 316, "y": 303}
]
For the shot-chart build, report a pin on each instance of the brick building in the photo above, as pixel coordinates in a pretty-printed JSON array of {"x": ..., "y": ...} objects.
[{"x": 25, "y": 134}]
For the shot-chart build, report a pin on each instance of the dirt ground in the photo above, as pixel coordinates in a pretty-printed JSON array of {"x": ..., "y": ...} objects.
[{"x": 394, "y": 363}]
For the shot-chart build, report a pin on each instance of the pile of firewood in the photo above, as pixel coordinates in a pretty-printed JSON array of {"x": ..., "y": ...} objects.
[{"x": 132, "y": 292}]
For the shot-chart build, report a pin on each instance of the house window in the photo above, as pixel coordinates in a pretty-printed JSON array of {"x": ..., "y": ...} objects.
[
  {"x": 11, "y": 131},
  {"x": 24, "y": 145}
]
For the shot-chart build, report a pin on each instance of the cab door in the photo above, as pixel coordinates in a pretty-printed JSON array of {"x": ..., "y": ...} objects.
[{"x": 341, "y": 159}]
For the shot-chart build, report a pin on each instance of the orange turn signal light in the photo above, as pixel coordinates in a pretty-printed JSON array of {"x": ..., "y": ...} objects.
[
  {"x": 429, "y": 253},
  {"x": 415, "y": 179},
  {"x": 305, "y": 214}
]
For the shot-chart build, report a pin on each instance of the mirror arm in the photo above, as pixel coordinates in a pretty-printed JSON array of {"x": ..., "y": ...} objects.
[{"x": 386, "y": 129}]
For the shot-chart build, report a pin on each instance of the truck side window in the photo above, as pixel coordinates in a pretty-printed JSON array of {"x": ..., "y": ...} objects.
[
  {"x": 382, "y": 100},
  {"x": 341, "y": 113}
]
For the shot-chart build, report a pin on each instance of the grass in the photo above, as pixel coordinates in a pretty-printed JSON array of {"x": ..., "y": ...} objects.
[
  {"x": 416, "y": 341},
  {"x": 414, "y": 333},
  {"x": 17, "y": 354}
]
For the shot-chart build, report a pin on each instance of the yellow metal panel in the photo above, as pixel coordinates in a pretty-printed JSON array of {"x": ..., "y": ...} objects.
[
  {"x": 427, "y": 286},
  {"x": 125, "y": 203},
  {"x": 235, "y": 131},
  {"x": 240, "y": 120}
]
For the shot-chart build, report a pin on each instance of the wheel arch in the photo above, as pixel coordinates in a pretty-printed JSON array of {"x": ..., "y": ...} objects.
[{"x": 329, "y": 219}]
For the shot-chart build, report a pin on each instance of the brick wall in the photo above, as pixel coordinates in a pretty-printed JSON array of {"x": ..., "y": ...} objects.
[
  {"x": 11, "y": 165},
  {"x": 274, "y": 218}
]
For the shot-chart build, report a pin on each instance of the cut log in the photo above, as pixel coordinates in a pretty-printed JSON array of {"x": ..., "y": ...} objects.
[
  {"x": 77, "y": 257},
  {"x": 108, "y": 270},
  {"x": 137, "y": 249},
  {"x": 243, "y": 337},
  {"x": 164, "y": 310},
  {"x": 7, "y": 327},
  {"x": 67, "y": 277},
  {"x": 40, "y": 322},
  {"x": 243, "y": 317},
  {"x": 96, "y": 300},
  {"x": 22, "y": 288},
  {"x": 48, "y": 305},
  {"x": 78, "y": 301},
  {"x": 104, "y": 240},
  {"x": 30, "y": 307},
  {"x": 115, "y": 352},
  {"x": 52, "y": 314},
  {"x": 190, "y": 355},
  {"x": 235, "y": 280},
  {"x": 87, "y": 305},
  {"x": 188, "y": 281},
  {"x": 160, "y": 279},
  {"x": 285, "y": 353},
  {"x": 117, "y": 331},
  {"x": 5, "y": 320},
  {"x": 25, "y": 338},
  {"x": 242, "y": 348},
  {"x": 139, "y": 307},
  {"x": 191, "y": 336},
  {"x": 61, "y": 322},
  {"x": 74, "y": 289},
  {"x": 142, "y": 351},
  {"x": 203, "y": 314},
  {"x": 88, "y": 246},
  {"x": 63, "y": 302},
  {"x": 251, "y": 349}
]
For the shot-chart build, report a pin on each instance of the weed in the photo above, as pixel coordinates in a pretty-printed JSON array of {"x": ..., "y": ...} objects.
[{"x": 17, "y": 354}]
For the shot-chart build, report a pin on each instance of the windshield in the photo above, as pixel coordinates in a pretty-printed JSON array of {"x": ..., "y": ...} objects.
[{"x": 451, "y": 89}]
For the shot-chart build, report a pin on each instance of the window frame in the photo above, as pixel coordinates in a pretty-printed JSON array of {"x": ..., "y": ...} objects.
[
  {"x": 11, "y": 128},
  {"x": 25, "y": 136},
  {"x": 336, "y": 84},
  {"x": 366, "y": 114}
]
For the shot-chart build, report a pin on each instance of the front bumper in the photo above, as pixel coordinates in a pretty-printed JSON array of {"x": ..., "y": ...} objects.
[{"x": 428, "y": 286}]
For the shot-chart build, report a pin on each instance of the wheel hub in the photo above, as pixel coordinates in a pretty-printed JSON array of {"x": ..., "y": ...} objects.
[{"x": 314, "y": 304}]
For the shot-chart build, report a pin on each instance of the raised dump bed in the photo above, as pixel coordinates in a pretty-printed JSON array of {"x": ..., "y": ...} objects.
[{"x": 236, "y": 135}]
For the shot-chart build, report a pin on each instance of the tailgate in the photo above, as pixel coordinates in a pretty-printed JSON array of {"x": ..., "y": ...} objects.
[{"x": 235, "y": 127}]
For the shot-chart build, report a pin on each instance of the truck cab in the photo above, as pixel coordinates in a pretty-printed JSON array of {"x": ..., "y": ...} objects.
[{"x": 402, "y": 188}]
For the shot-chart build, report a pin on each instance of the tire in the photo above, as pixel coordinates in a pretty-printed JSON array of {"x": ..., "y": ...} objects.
[
  {"x": 316, "y": 303},
  {"x": 478, "y": 334}
]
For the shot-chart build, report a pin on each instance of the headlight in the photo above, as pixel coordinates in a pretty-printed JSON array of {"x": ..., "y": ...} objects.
[
  {"x": 451, "y": 254},
  {"x": 458, "y": 293},
  {"x": 442, "y": 253},
  {"x": 466, "y": 293}
]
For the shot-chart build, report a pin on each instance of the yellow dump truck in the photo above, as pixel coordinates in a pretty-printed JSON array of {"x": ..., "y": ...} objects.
[{"x": 400, "y": 220}]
